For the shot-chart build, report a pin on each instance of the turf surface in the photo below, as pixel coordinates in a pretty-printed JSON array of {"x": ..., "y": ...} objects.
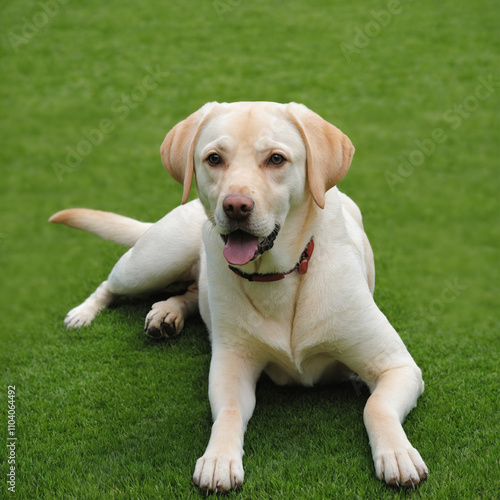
[{"x": 88, "y": 91}]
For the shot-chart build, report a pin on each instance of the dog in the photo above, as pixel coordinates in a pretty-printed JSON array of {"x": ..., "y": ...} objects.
[{"x": 281, "y": 272}]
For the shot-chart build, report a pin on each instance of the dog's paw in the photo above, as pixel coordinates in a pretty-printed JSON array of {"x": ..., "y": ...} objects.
[
  {"x": 218, "y": 473},
  {"x": 164, "y": 320},
  {"x": 81, "y": 315},
  {"x": 401, "y": 467}
]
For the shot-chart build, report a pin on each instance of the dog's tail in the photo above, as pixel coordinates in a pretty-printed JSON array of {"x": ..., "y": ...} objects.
[{"x": 107, "y": 225}]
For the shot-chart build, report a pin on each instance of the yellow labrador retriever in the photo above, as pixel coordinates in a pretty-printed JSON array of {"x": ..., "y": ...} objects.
[{"x": 285, "y": 275}]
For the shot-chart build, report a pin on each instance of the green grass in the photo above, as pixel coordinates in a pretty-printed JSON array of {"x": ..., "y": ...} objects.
[{"x": 106, "y": 413}]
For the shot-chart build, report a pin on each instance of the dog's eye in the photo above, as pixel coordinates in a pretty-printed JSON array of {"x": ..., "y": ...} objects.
[
  {"x": 214, "y": 159},
  {"x": 276, "y": 159}
]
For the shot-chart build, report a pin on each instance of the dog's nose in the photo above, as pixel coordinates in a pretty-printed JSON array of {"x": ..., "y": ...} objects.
[{"x": 237, "y": 207}]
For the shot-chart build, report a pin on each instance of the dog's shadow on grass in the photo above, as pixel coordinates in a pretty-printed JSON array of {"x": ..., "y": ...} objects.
[{"x": 337, "y": 404}]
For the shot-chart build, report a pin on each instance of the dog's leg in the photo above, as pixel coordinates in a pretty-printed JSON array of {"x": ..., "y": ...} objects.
[
  {"x": 83, "y": 314},
  {"x": 232, "y": 397},
  {"x": 395, "y": 393},
  {"x": 167, "y": 253},
  {"x": 166, "y": 318}
]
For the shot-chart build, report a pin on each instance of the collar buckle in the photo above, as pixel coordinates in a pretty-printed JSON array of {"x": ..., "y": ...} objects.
[{"x": 303, "y": 264}]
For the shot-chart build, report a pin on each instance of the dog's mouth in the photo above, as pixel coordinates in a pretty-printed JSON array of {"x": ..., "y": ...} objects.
[{"x": 242, "y": 247}]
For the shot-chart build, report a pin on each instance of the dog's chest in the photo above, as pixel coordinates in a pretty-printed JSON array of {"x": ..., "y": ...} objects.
[
  {"x": 296, "y": 342},
  {"x": 292, "y": 326}
]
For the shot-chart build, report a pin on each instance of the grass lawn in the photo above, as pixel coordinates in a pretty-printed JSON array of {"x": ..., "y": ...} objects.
[{"x": 88, "y": 92}]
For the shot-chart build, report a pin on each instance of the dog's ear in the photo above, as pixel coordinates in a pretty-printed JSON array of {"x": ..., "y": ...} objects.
[
  {"x": 178, "y": 147},
  {"x": 329, "y": 151}
]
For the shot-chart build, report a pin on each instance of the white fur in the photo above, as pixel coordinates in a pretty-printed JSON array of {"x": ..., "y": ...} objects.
[{"x": 303, "y": 329}]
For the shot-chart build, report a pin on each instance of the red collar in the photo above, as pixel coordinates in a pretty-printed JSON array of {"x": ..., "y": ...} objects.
[{"x": 300, "y": 267}]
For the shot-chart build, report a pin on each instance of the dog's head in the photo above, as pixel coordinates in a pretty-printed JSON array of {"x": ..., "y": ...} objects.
[{"x": 254, "y": 162}]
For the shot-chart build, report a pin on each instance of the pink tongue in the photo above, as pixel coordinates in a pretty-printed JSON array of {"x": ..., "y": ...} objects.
[{"x": 240, "y": 248}]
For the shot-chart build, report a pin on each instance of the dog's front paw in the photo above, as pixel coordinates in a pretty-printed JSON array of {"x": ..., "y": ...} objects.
[
  {"x": 401, "y": 467},
  {"x": 81, "y": 315},
  {"x": 164, "y": 320},
  {"x": 218, "y": 473}
]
